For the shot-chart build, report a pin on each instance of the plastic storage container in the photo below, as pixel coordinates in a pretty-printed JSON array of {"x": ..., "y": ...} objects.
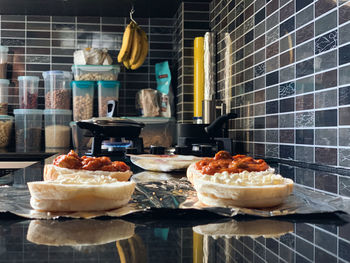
[
  {"x": 107, "y": 90},
  {"x": 57, "y": 130},
  {"x": 95, "y": 72},
  {"x": 3, "y": 61},
  {"x": 158, "y": 131},
  {"x": 28, "y": 92},
  {"x": 5, "y": 129},
  {"x": 83, "y": 100},
  {"x": 80, "y": 142},
  {"x": 28, "y": 124},
  {"x": 4, "y": 92},
  {"x": 57, "y": 89}
]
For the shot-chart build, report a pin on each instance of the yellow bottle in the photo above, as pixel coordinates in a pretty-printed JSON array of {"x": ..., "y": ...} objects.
[{"x": 198, "y": 81}]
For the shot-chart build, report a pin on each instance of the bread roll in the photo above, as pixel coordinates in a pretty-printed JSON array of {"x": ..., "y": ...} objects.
[
  {"x": 254, "y": 196},
  {"x": 78, "y": 232},
  {"x": 77, "y": 193},
  {"x": 264, "y": 227},
  {"x": 51, "y": 172}
]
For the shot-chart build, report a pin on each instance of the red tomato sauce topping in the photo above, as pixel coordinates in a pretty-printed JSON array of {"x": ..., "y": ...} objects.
[
  {"x": 73, "y": 161},
  {"x": 224, "y": 162}
]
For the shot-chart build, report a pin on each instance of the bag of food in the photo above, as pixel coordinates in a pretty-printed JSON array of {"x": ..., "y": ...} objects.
[
  {"x": 92, "y": 56},
  {"x": 147, "y": 101},
  {"x": 163, "y": 77}
]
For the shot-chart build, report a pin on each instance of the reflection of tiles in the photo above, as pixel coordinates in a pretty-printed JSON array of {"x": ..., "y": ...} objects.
[
  {"x": 344, "y": 186},
  {"x": 305, "y": 119},
  {"x": 287, "y": 89},
  {"x": 326, "y": 42}
]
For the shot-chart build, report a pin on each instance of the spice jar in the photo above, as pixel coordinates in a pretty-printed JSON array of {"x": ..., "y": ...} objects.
[
  {"x": 57, "y": 130},
  {"x": 3, "y": 61},
  {"x": 4, "y": 91},
  {"x": 28, "y": 123},
  {"x": 83, "y": 100},
  {"x": 5, "y": 129},
  {"x": 107, "y": 90},
  {"x": 28, "y": 92},
  {"x": 57, "y": 89}
]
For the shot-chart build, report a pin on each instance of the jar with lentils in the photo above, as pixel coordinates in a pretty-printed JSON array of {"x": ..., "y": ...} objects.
[{"x": 83, "y": 99}]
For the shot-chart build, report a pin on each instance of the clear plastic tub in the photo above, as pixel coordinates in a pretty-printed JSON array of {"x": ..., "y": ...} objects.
[
  {"x": 83, "y": 100},
  {"x": 28, "y": 124},
  {"x": 28, "y": 92},
  {"x": 57, "y": 130},
  {"x": 57, "y": 89},
  {"x": 4, "y": 92},
  {"x": 5, "y": 129},
  {"x": 3, "y": 61},
  {"x": 80, "y": 142},
  {"x": 95, "y": 72},
  {"x": 158, "y": 131},
  {"x": 107, "y": 90}
]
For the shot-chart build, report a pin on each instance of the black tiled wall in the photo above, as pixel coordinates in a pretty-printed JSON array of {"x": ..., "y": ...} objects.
[
  {"x": 42, "y": 43},
  {"x": 290, "y": 77}
]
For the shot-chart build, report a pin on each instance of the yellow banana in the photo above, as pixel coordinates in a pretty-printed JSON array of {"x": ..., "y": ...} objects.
[
  {"x": 126, "y": 64},
  {"x": 136, "y": 46},
  {"x": 144, "y": 51},
  {"x": 126, "y": 43}
]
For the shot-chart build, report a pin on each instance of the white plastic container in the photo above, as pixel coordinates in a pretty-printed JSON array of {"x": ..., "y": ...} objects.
[
  {"x": 107, "y": 90},
  {"x": 28, "y": 124},
  {"x": 5, "y": 129},
  {"x": 28, "y": 92},
  {"x": 57, "y": 130},
  {"x": 4, "y": 92},
  {"x": 95, "y": 72},
  {"x": 3, "y": 61},
  {"x": 57, "y": 89}
]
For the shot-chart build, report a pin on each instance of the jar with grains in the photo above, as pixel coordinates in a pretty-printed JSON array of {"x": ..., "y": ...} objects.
[
  {"x": 28, "y": 123},
  {"x": 3, "y": 61},
  {"x": 95, "y": 72},
  {"x": 28, "y": 92},
  {"x": 107, "y": 90},
  {"x": 4, "y": 91},
  {"x": 83, "y": 99},
  {"x": 57, "y": 130},
  {"x": 57, "y": 89},
  {"x": 5, "y": 129}
]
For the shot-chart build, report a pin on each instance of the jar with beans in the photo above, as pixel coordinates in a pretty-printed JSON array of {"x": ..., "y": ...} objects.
[
  {"x": 83, "y": 99},
  {"x": 28, "y": 92},
  {"x": 5, "y": 129},
  {"x": 57, "y": 89},
  {"x": 107, "y": 90}
]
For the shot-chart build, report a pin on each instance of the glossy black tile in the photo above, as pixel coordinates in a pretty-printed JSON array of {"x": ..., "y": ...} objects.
[
  {"x": 249, "y": 37},
  {"x": 259, "y": 123},
  {"x": 287, "y": 26},
  {"x": 272, "y": 78},
  {"x": 326, "y": 118},
  {"x": 287, "y": 136},
  {"x": 344, "y": 116},
  {"x": 260, "y": 16},
  {"x": 300, "y": 4},
  {"x": 326, "y": 137},
  {"x": 326, "y": 80},
  {"x": 305, "y": 136},
  {"x": 287, "y": 105},
  {"x": 305, "y": 177},
  {"x": 272, "y": 121},
  {"x": 305, "y": 68},
  {"x": 326, "y": 156},
  {"x": 344, "y": 54},
  {"x": 287, "y": 151},
  {"x": 344, "y": 250}
]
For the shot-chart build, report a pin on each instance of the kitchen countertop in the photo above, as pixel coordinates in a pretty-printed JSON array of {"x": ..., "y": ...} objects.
[{"x": 171, "y": 236}]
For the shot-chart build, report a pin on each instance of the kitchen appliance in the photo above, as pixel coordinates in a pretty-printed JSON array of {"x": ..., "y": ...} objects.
[
  {"x": 205, "y": 139},
  {"x": 111, "y": 135}
]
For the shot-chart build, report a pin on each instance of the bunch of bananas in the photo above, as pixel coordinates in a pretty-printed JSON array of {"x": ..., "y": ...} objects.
[{"x": 134, "y": 47}]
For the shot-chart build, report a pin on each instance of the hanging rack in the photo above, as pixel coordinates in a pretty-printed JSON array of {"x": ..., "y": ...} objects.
[{"x": 132, "y": 11}]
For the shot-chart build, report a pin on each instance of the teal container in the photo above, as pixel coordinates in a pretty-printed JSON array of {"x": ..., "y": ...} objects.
[
  {"x": 83, "y": 99},
  {"x": 107, "y": 90}
]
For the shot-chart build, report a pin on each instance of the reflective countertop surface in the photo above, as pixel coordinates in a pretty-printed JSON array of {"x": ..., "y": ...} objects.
[{"x": 171, "y": 236}]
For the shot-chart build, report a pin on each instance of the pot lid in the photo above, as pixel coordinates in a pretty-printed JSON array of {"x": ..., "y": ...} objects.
[{"x": 114, "y": 121}]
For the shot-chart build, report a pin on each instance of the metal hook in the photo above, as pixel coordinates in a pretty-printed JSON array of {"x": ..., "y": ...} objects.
[{"x": 131, "y": 13}]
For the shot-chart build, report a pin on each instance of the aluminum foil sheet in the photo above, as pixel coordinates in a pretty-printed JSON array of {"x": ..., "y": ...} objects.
[{"x": 160, "y": 190}]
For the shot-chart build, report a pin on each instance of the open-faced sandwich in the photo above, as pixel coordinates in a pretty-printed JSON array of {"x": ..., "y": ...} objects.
[
  {"x": 77, "y": 184},
  {"x": 238, "y": 180}
]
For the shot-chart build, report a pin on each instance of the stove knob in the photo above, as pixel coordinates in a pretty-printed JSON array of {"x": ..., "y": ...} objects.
[
  {"x": 204, "y": 150},
  {"x": 157, "y": 150},
  {"x": 183, "y": 150}
]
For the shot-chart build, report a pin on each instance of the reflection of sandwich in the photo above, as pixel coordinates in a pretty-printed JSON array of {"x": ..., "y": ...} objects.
[
  {"x": 78, "y": 232},
  {"x": 262, "y": 227}
]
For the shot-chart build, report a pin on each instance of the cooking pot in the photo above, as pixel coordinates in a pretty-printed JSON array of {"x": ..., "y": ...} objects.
[{"x": 112, "y": 126}]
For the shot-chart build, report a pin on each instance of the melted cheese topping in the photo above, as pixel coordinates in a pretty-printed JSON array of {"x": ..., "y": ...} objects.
[
  {"x": 80, "y": 178},
  {"x": 246, "y": 178}
]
